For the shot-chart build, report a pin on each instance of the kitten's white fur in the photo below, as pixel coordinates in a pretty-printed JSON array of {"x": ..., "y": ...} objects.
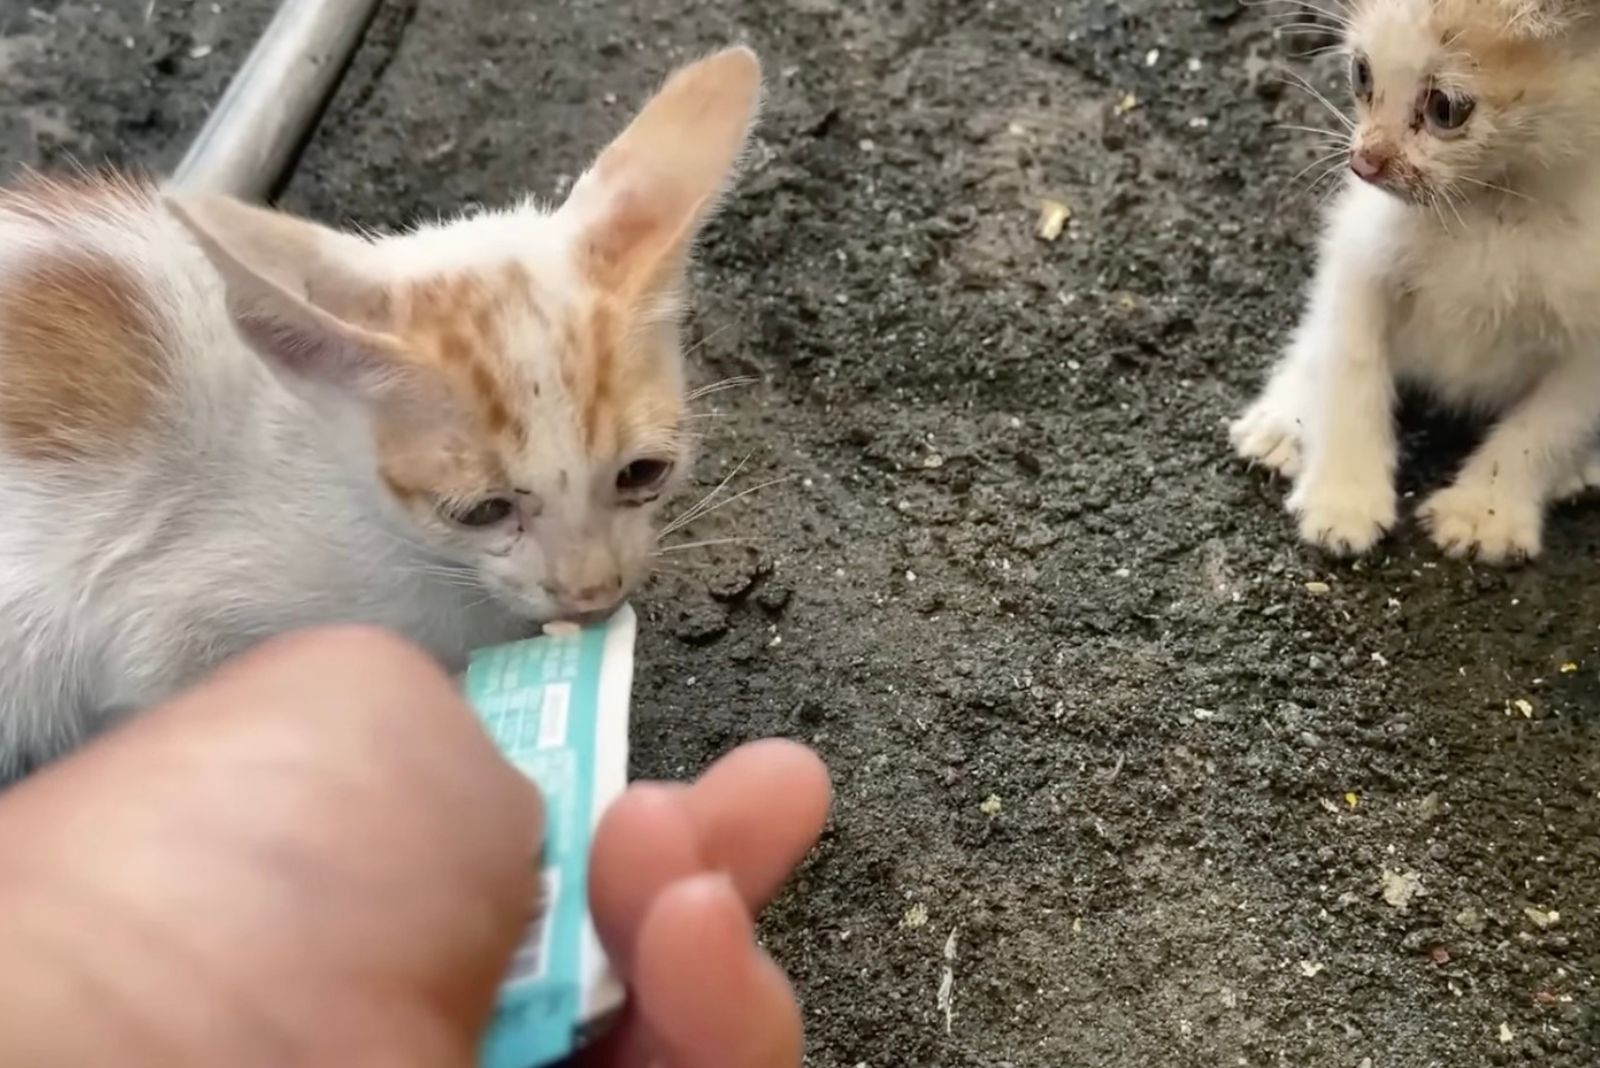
[{"x": 1490, "y": 303}]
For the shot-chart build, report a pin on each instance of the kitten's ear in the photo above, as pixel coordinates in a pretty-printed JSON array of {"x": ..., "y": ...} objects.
[
  {"x": 641, "y": 204},
  {"x": 291, "y": 287}
]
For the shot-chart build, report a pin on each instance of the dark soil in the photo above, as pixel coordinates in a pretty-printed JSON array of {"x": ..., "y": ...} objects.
[{"x": 1100, "y": 752}]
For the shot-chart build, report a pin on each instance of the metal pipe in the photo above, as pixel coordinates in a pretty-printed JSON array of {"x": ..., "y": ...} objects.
[{"x": 251, "y": 138}]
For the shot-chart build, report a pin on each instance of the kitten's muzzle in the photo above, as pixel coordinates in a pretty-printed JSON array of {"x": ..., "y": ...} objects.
[
  {"x": 588, "y": 604},
  {"x": 1372, "y": 164}
]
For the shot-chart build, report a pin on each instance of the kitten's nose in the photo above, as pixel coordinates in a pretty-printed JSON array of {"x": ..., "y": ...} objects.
[
  {"x": 588, "y": 603},
  {"x": 1370, "y": 165}
]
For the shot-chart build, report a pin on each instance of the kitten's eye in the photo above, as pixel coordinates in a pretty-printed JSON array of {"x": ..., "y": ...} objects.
[
  {"x": 1447, "y": 111},
  {"x": 642, "y": 479},
  {"x": 486, "y": 513},
  {"x": 1360, "y": 77}
]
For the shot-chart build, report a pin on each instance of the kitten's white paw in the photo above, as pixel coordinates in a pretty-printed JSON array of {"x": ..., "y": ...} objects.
[
  {"x": 1470, "y": 519},
  {"x": 1344, "y": 518},
  {"x": 1267, "y": 435}
]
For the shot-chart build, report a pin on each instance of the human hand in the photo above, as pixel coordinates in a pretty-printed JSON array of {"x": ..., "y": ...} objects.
[
  {"x": 315, "y": 858},
  {"x": 318, "y": 858}
]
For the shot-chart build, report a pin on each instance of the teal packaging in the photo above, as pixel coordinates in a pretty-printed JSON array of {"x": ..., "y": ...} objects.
[{"x": 557, "y": 707}]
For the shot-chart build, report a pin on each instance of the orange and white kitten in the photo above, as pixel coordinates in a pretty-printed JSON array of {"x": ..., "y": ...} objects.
[
  {"x": 1463, "y": 257},
  {"x": 219, "y": 422}
]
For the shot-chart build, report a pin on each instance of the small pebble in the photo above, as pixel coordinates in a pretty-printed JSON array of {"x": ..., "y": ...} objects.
[{"x": 1399, "y": 888}]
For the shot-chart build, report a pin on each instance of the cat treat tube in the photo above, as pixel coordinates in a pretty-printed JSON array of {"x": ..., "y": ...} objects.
[{"x": 250, "y": 140}]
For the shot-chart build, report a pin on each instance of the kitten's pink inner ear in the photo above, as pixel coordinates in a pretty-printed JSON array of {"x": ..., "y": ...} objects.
[
  {"x": 255, "y": 253},
  {"x": 651, "y": 190}
]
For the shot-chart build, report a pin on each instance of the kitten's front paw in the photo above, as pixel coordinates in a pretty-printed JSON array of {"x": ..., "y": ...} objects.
[
  {"x": 1469, "y": 519},
  {"x": 1343, "y": 518},
  {"x": 1268, "y": 436}
]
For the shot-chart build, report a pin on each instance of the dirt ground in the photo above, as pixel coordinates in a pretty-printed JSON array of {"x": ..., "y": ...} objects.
[{"x": 1115, "y": 773}]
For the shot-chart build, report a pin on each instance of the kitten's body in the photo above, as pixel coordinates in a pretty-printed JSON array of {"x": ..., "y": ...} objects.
[
  {"x": 1486, "y": 304},
  {"x": 1480, "y": 289},
  {"x": 207, "y": 442}
]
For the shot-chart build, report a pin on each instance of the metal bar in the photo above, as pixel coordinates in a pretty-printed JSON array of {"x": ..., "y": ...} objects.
[{"x": 252, "y": 137}]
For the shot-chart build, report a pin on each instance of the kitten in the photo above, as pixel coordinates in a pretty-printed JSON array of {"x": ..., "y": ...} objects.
[
  {"x": 218, "y": 422},
  {"x": 1462, "y": 257}
]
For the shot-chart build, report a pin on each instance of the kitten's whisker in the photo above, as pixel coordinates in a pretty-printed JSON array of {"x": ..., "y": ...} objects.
[
  {"x": 717, "y": 387},
  {"x": 1431, "y": 202},
  {"x": 1308, "y": 29},
  {"x": 1455, "y": 208},
  {"x": 1296, "y": 7},
  {"x": 1308, "y": 22},
  {"x": 742, "y": 493},
  {"x": 703, "y": 342},
  {"x": 1332, "y": 187},
  {"x": 430, "y": 554},
  {"x": 708, "y": 542},
  {"x": 1314, "y": 165},
  {"x": 1320, "y": 51},
  {"x": 460, "y": 579},
  {"x": 1496, "y": 188},
  {"x": 1312, "y": 185},
  {"x": 1296, "y": 79},
  {"x": 695, "y": 510},
  {"x": 1322, "y": 131}
]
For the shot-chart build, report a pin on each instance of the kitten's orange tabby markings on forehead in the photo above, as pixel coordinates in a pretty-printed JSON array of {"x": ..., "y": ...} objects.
[{"x": 219, "y": 421}]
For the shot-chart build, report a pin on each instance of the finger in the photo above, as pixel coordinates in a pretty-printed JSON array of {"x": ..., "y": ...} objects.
[
  {"x": 754, "y": 815},
  {"x": 757, "y": 813},
  {"x": 645, "y": 842},
  {"x": 707, "y": 994}
]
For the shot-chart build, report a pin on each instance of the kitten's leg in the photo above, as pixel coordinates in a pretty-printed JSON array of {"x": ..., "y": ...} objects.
[
  {"x": 1344, "y": 497},
  {"x": 1270, "y": 430},
  {"x": 1495, "y": 508}
]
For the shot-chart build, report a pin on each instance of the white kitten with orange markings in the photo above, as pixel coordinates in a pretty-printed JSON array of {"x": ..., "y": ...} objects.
[
  {"x": 219, "y": 422},
  {"x": 1463, "y": 257}
]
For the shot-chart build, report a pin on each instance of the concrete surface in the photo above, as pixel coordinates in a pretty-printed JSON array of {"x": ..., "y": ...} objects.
[{"x": 1104, "y": 758}]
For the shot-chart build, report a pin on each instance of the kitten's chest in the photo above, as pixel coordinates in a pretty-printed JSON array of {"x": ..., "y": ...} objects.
[{"x": 1483, "y": 311}]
